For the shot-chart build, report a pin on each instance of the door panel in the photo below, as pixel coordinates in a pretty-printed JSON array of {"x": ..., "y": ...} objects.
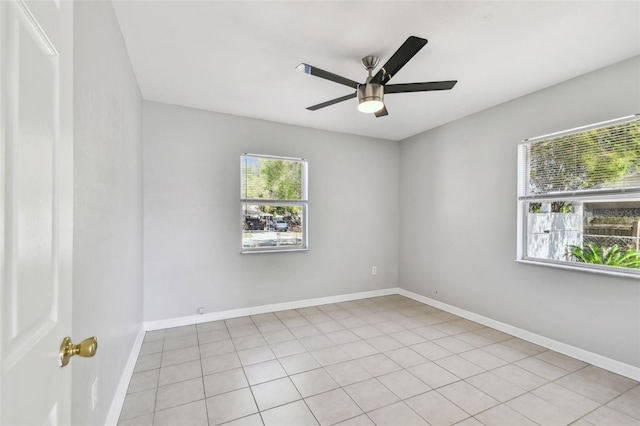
[
  {"x": 35, "y": 94},
  {"x": 30, "y": 198}
]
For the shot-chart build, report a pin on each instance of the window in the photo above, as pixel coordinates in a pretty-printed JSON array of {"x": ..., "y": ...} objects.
[
  {"x": 579, "y": 197},
  {"x": 274, "y": 203}
]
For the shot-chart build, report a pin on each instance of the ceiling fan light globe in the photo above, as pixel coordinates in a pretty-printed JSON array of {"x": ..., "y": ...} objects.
[{"x": 370, "y": 106}]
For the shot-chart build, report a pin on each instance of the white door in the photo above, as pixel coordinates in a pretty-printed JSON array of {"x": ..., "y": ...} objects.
[{"x": 36, "y": 206}]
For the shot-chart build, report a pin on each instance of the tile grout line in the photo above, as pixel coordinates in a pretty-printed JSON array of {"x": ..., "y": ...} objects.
[
  {"x": 255, "y": 401},
  {"x": 204, "y": 388}
]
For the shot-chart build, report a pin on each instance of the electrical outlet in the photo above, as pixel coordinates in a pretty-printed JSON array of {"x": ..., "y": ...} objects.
[
  {"x": 374, "y": 270},
  {"x": 94, "y": 394},
  {"x": 201, "y": 310}
]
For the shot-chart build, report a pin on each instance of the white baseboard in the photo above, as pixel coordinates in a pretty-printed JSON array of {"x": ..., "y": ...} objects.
[
  {"x": 121, "y": 391},
  {"x": 617, "y": 367},
  {"x": 255, "y": 310}
]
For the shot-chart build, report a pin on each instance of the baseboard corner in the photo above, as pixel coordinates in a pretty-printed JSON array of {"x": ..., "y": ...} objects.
[{"x": 121, "y": 392}]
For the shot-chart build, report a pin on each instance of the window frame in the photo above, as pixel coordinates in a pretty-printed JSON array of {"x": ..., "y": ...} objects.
[
  {"x": 579, "y": 196},
  {"x": 303, "y": 202}
]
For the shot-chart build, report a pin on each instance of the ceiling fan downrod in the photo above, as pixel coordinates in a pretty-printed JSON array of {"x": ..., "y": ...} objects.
[{"x": 369, "y": 63}]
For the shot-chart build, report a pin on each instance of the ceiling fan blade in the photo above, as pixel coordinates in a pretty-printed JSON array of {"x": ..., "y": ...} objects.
[
  {"x": 382, "y": 112},
  {"x": 419, "y": 87},
  {"x": 409, "y": 48},
  {"x": 331, "y": 102},
  {"x": 311, "y": 70}
]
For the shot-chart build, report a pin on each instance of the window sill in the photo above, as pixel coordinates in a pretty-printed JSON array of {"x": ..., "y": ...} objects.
[
  {"x": 609, "y": 272},
  {"x": 273, "y": 251}
]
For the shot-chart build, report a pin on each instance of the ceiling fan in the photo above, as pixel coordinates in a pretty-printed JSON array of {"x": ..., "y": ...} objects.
[{"x": 371, "y": 94}]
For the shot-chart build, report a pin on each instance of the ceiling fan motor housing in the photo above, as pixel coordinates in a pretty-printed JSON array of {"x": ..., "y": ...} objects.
[{"x": 370, "y": 97}]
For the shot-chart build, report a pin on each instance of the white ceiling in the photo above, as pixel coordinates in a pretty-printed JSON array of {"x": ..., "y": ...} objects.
[{"x": 239, "y": 57}]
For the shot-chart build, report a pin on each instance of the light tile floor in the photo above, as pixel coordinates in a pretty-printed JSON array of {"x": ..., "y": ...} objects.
[{"x": 380, "y": 361}]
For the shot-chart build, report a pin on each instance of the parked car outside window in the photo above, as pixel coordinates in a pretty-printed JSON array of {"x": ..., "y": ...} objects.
[{"x": 280, "y": 226}]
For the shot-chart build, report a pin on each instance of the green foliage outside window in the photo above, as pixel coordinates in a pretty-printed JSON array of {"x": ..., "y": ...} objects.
[
  {"x": 611, "y": 256},
  {"x": 585, "y": 160},
  {"x": 556, "y": 207},
  {"x": 272, "y": 179}
]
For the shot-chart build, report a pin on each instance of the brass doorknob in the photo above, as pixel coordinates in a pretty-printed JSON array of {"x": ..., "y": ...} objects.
[{"x": 86, "y": 348}]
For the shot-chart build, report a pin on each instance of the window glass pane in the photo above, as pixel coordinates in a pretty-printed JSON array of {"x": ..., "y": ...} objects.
[
  {"x": 269, "y": 226},
  {"x": 592, "y": 232},
  {"x": 271, "y": 179},
  {"x": 597, "y": 159}
]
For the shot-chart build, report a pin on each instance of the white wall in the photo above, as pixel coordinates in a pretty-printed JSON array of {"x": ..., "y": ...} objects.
[
  {"x": 192, "y": 214},
  {"x": 460, "y": 179},
  {"x": 107, "y": 272}
]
